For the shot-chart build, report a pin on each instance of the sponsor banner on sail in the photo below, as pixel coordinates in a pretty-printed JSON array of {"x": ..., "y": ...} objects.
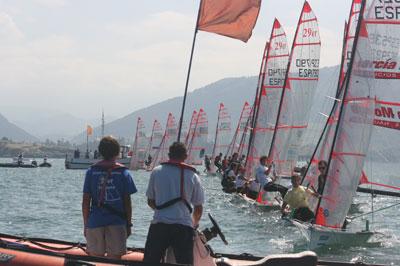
[{"x": 383, "y": 24}]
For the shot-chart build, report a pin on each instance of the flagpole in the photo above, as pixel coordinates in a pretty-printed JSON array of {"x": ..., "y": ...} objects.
[{"x": 188, "y": 75}]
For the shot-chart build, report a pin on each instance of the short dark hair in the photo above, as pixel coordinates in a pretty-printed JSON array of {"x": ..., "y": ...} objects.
[
  {"x": 262, "y": 158},
  {"x": 109, "y": 147},
  {"x": 177, "y": 151}
]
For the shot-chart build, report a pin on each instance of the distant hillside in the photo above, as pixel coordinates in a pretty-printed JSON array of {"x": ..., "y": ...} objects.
[
  {"x": 11, "y": 131},
  {"x": 47, "y": 123},
  {"x": 233, "y": 92}
]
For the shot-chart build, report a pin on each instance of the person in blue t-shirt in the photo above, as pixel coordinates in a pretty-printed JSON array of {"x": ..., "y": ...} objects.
[{"x": 106, "y": 203}]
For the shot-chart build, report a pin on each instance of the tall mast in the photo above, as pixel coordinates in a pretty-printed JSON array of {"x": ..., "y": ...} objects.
[{"x": 102, "y": 123}]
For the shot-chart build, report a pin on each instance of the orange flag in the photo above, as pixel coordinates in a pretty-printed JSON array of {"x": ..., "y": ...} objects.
[
  {"x": 89, "y": 130},
  {"x": 232, "y": 18}
]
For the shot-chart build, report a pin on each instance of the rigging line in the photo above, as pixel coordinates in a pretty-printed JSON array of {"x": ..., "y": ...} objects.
[{"x": 372, "y": 212}]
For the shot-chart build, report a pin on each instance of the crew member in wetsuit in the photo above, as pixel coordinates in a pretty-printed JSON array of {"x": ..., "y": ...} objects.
[{"x": 174, "y": 188}]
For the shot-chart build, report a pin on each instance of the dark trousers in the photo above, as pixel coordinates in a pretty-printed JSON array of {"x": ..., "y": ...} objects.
[
  {"x": 303, "y": 214},
  {"x": 161, "y": 236},
  {"x": 276, "y": 187}
]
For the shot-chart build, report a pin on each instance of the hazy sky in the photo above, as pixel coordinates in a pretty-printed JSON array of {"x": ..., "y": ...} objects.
[{"x": 80, "y": 56}]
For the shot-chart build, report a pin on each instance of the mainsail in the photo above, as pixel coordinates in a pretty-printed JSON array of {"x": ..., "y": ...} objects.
[
  {"x": 170, "y": 136},
  {"x": 222, "y": 132},
  {"x": 344, "y": 148},
  {"x": 190, "y": 131},
  {"x": 155, "y": 140},
  {"x": 139, "y": 146},
  {"x": 198, "y": 143},
  {"x": 240, "y": 129},
  {"x": 267, "y": 102},
  {"x": 383, "y": 28},
  {"x": 298, "y": 93},
  {"x": 324, "y": 144}
]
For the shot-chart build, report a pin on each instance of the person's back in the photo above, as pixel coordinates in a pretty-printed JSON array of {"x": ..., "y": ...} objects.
[
  {"x": 106, "y": 203},
  {"x": 174, "y": 189},
  {"x": 165, "y": 183}
]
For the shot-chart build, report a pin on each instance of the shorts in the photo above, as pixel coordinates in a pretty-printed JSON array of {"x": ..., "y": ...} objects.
[{"x": 107, "y": 239}]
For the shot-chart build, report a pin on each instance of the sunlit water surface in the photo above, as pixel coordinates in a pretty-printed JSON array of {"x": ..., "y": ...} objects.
[{"x": 46, "y": 202}]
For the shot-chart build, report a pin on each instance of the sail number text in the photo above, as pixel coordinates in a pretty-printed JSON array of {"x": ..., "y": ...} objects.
[
  {"x": 308, "y": 68},
  {"x": 387, "y": 11},
  {"x": 309, "y": 32}
]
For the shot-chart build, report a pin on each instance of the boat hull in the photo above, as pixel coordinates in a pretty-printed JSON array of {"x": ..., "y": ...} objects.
[
  {"x": 318, "y": 236},
  {"x": 84, "y": 163}
]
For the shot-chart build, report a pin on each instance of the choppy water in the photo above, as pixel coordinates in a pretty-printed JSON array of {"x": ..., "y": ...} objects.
[{"x": 47, "y": 203}]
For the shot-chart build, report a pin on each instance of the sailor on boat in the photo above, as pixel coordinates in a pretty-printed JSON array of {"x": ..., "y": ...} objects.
[
  {"x": 106, "y": 203},
  {"x": 241, "y": 182},
  {"x": 148, "y": 161},
  {"x": 218, "y": 162},
  {"x": 266, "y": 177},
  {"x": 174, "y": 188},
  {"x": 207, "y": 164},
  {"x": 229, "y": 177},
  {"x": 20, "y": 159},
  {"x": 297, "y": 199}
]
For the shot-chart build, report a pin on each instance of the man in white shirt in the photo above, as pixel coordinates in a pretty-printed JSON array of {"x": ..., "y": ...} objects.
[
  {"x": 266, "y": 179},
  {"x": 174, "y": 188}
]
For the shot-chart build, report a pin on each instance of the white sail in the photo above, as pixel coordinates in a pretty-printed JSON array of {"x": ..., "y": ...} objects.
[
  {"x": 190, "y": 131},
  {"x": 300, "y": 85},
  {"x": 351, "y": 137},
  {"x": 267, "y": 106},
  {"x": 169, "y": 137},
  {"x": 222, "y": 132},
  {"x": 240, "y": 129},
  {"x": 197, "y": 146},
  {"x": 139, "y": 146},
  {"x": 155, "y": 139}
]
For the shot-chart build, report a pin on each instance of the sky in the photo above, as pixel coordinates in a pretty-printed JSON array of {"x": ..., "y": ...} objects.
[{"x": 82, "y": 56}]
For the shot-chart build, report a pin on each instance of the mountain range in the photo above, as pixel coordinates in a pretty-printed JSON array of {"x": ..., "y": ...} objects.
[
  {"x": 11, "y": 131},
  {"x": 233, "y": 92}
]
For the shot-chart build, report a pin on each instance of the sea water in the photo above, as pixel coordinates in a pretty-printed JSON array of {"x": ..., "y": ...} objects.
[{"x": 46, "y": 202}]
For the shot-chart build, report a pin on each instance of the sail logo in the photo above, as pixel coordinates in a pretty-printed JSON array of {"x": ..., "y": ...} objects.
[
  {"x": 387, "y": 12},
  {"x": 308, "y": 68}
]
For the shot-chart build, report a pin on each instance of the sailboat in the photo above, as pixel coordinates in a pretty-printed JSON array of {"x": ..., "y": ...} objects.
[
  {"x": 139, "y": 146},
  {"x": 244, "y": 117},
  {"x": 222, "y": 135},
  {"x": 170, "y": 135},
  {"x": 198, "y": 141},
  {"x": 154, "y": 142},
  {"x": 269, "y": 91},
  {"x": 344, "y": 148},
  {"x": 84, "y": 162}
]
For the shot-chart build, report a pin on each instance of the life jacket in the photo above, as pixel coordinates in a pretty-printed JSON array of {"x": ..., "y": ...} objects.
[
  {"x": 182, "y": 166},
  {"x": 109, "y": 166}
]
